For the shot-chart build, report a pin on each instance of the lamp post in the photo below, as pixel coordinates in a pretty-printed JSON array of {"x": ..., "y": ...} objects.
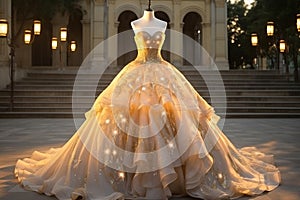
[
  {"x": 254, "y": 43},
  {"x": 282, "y": 48},
  {"x": 296, "y": 49},
  {"x": 10, "y": 42},
  {"x": 274, "y": 41},
  {"x": 63, "y": 42},
  {"x": 4, "y": 29}
]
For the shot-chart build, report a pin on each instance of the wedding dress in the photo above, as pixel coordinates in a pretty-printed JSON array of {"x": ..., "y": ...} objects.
[{"x": 149, "y": 135}]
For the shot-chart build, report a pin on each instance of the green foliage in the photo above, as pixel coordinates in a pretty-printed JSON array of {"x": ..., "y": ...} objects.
[
  {"x": 238, "y": 40},
  {"x": 42, "y": 9},
  {"x": 281, "y": 12}
]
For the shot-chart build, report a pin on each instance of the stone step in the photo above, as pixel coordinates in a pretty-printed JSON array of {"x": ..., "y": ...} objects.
[
  {"x": 229, "y": 93},
  {"x": 182, "y": 70},
  {"x": 209, "y": 76},
  {"x": 86, "y": 99},
  {"x": 48, "y": 93},
  {"x": 197, "y": 87},
  {"x": 196, "y": 79},
  {"x": 228, "y": 109},
  {"x": 230, "y": 104},
  {"x": 71, "y": 115}
]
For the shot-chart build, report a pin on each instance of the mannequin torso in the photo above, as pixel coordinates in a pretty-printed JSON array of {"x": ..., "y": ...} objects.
[{"x": 148, "y": 23}]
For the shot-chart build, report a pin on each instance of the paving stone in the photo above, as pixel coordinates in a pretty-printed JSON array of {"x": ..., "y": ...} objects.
[{"x": 20, "y": 137}]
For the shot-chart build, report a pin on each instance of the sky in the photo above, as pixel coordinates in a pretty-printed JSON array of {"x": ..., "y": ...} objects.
[{"x": 246, "y": 1}]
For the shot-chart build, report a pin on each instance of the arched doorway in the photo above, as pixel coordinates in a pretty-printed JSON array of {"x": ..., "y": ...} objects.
[
  {"x": 75, "y": 33},
  {"x": 41, "y": 51},
  {"x": 125, "y": 18},
  {"x": 163, "y": 16},
  {"x": 192, "y": 27}
]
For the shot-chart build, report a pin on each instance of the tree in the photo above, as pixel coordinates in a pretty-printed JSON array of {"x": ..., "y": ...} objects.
[
  {"x": 238, "y": 41},
  {"x": 283, "y": 14}
]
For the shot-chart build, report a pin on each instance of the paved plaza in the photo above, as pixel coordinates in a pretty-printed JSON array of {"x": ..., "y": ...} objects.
[{"x": 281, "y": 137}]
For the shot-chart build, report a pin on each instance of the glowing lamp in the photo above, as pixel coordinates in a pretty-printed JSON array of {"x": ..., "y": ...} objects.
[
  {"x": 63, "y": 34},
  {"x": 270, "y": 28},
  {"x": 254, "y": 39},
  {"x": 54, "y": 43},
  {"x": 27, "y": 36},
  {"x": 37, "y": 27},
  {"x": 73, "y": 45},
  {"x": 3, "y": 27},
  {"x": 282, "y": 46}
]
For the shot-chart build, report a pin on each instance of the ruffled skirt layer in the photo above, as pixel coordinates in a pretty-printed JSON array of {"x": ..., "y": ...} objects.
[{"x": 149, "y": 140}]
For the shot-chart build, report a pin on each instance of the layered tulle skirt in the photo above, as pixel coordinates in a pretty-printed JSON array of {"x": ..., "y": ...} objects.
[{"x": 149, "y": 135}]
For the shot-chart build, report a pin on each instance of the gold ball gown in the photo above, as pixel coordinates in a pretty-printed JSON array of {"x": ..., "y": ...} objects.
[{"x": 149, "y": 135}]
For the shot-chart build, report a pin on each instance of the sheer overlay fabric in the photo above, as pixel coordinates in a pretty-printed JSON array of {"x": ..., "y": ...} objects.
[{"x": 149, "y": 135}]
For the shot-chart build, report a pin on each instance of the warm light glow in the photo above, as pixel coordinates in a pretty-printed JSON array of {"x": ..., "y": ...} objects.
[
  {"x": 270, "y": 28},
  {"x": 73, "y": 46},
  {"x": 298, "y": 22},
  {"x": 37, "y": 27},
  {"x": 282, "y": 46},
  {"x": 63, "y": 34},
  {"x": 254, "y": 39},
  {"x": 27, "y": 36},
  {"x": 54, "y": 43},
  {"x": 122, "y": 175},
  {"x": 3, "y": 27}
]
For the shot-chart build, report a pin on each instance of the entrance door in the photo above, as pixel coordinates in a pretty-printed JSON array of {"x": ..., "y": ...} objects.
[{"x": 192, "y": 27}]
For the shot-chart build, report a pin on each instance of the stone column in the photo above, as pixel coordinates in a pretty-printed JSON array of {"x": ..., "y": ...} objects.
[
  {"x": 113, "y": 30},
  {"x": 86, "y": 43},
  {"x": 212, "y": 51},
  {"x": 221, "y": 58},
  {"x": 176, "y": 41},
  {"x": 97, "y": 32},
  {"x": 5, "y": 13}
]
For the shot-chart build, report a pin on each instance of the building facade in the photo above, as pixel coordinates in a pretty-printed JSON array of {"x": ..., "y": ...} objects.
[{"x": 96, "y": 20}]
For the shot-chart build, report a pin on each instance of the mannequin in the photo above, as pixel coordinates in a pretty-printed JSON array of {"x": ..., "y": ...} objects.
[{"x": 148, "y": 23}]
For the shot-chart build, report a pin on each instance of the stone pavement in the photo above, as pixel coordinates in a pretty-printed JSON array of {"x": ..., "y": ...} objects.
[{"x": 19, "y": 137}]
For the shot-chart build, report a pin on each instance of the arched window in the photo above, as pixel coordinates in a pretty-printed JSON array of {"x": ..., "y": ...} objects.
[{"x": 192, "y": 27}]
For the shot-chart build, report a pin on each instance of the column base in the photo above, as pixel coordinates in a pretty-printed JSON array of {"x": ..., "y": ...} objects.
[{"x": 222, "y": 63}]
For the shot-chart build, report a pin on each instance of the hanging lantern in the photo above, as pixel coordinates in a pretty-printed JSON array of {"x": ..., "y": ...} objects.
[
  {"x": 254, "y": 39},
  {"x": 37, "y": 27},
  {"x": 63, "y": 34},
  {"x": 298, "y": 22},
  {"x": 270, "y": 28},
  {"x": 27, "y": 36},
  {"x": 73, "y": 45},
  {"x": 282, "y": 46},
  {"x": 3, "y": 28},
  {"x": 54, "y": 43}
]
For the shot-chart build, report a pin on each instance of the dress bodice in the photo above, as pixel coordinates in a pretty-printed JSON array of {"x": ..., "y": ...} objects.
[{"x": 149, "y": 46}]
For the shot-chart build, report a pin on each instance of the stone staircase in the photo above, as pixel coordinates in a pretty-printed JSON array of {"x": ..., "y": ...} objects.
[{"x": 264, "y": 94}]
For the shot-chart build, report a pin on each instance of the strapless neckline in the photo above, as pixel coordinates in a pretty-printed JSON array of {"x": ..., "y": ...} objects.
[{"x": 150, "y": 35}]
